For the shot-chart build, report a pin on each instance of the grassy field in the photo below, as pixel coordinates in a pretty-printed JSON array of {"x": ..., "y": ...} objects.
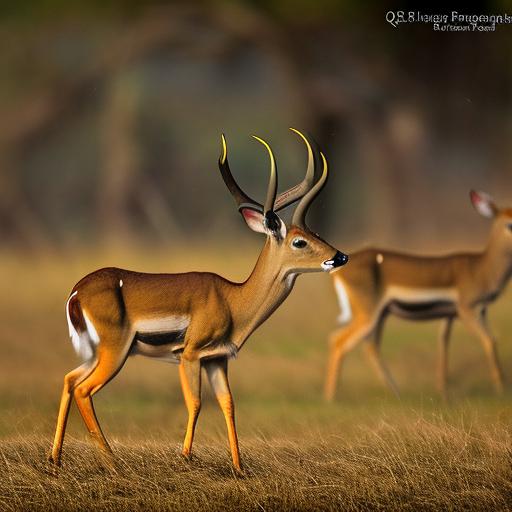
[{"x": 368, "y": 451}]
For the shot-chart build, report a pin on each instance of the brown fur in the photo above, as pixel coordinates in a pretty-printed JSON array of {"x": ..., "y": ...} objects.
[
  {"x": 379, "y": 282},
  {"x": 208, "y": 317}
]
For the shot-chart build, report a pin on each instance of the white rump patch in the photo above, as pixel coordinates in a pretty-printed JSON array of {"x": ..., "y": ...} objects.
[
  {"x": 379, "y": 258},
  {"x": 90, "y": 329},
  {"x": 73, "y": 333},
  {"x": 163, "y": 324},
  {"x": 82, "y": 342},
  {"x": 346, "y": 311}
]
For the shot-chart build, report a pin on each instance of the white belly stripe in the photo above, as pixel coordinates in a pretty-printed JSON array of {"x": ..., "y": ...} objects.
[
  {"x": 163, "y": 324},
  {"x": 345, "y": 310},
  {"x": 418, "y": 295}
]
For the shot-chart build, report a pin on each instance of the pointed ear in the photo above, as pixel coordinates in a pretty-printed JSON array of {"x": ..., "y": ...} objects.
[
  {"x": 483, "y": 204},
  {"x": 253, "y": 219},
  {"x": 269, "y": 225}
]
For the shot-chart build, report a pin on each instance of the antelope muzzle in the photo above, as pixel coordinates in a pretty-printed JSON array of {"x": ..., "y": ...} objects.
[{"x": 338, "y": 260}]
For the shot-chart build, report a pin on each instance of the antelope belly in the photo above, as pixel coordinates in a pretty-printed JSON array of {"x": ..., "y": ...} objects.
[
  {"x": 169, "y": 353},
  {"x": 422, "y": 310},
  {"x": 161, "y": 338}
]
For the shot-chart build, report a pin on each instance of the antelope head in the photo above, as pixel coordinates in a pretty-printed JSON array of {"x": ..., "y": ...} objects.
[
  {"x": 293, "y": 247},
  {"x": 501, "y": 230}
]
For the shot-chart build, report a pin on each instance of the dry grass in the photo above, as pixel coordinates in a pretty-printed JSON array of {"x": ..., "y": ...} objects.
[
  {"x": 418, "y": 465},
  {"x": 367, "y": 451}
]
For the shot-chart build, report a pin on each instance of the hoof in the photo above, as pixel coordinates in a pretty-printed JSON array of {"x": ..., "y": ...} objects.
[
  {"x": 238, "y": 472},
  {"x": 186, "y": 456},
  {"x": 52, "y": 460}
]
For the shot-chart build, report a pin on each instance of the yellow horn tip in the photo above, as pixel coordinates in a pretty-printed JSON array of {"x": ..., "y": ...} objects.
[
  {"x": 302, "y": 136},
  {"x": 269, "y": 149},
  {"x": 324, "y": 161},
  {"x": 259, "y": 139},
  {"x": 224, "y": 148}
]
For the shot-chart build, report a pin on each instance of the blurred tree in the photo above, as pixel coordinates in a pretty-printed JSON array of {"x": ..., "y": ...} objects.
[{"x": 397, "y": 111}]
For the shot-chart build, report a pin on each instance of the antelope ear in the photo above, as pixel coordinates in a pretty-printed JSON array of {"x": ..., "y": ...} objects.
[
  {"x": 269, "y": 225},
  {"x": 483, "y": 204},
  {"x": 253, "y": 219}
]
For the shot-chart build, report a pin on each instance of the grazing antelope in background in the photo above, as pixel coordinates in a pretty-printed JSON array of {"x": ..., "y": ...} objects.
[
  {"x": 198, "y": 319},
  {"x": 378, "y": 283}
]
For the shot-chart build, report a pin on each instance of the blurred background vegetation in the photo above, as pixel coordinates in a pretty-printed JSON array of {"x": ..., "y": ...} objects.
[{"x": 111, "y": 111}]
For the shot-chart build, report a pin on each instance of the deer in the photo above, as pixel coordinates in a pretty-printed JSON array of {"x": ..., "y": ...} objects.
[
  {"x": 379, "y": 283},
  {"x": 198, "y": 320}
]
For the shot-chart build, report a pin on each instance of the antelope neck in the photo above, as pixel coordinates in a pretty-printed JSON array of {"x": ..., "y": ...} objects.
[
  {"x": 254, "y": 300},
  {"x": 496, "y": 262}
]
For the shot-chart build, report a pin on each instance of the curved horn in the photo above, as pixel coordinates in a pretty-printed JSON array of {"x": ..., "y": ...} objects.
[
  {"x": 299, "y": 215},
  {"x": 296, "y": 192},
  {"x": 241, "y": 198},
  {"x": 272, "y": 183}
]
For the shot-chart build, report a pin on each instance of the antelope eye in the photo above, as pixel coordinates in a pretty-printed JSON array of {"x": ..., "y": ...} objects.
[
  {"x": 509, "y": 226},
  {"x": 299, "y": 243}
]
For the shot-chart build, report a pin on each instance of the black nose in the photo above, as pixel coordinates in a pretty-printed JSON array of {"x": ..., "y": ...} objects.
[{"x": 339, "y": 259}]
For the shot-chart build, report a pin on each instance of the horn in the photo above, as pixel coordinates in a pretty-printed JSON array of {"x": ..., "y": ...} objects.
[
  {"x": 296, "y": 192},
  {"x": 241, "y": 198},
  {"x": 272, "y": 182},
  {"x": 299, "y": 215}
]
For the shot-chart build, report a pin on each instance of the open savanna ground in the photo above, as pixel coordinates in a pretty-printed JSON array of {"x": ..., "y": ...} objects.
[{"x": 366, "y": 451}]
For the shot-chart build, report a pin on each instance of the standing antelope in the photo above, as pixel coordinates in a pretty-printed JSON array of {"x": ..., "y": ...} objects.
[
  {"x": 378, "y": 283},
  {"x": 197, "y": 319}
]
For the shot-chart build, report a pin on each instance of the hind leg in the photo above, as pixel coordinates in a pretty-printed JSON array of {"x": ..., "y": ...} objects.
[
  {"x": 341, "y": 342},
  {"x": 476, "y": 322},
  {"x": 65, "y": 402},
  {"x": 112, "y": 354}
]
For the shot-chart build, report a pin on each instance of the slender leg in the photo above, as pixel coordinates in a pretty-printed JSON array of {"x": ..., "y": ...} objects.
[
  {"x": 491, "y": 350},
  {"x": 477, "y": 324},
  {"x": 341, "y": 342},
  {"x": 217, "y": 370},
  {"x": 190, "y": 377},
  {"x": 373, "y": 352},
  {"x": 112, "y": 353},
  {"x": 444, "y": 340},
  {"x": 108, "y": 364},
  {"x": 69, "y": 382}
]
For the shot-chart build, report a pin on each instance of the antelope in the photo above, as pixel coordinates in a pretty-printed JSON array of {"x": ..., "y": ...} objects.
[
  {"x": 196, "y": 319},
  {"x": 378, "y": 283}
]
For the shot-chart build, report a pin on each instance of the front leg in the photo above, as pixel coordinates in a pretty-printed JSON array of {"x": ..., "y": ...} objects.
[
  {"x": 217, "y": 370},
  {"x": 444, "y": 340},
  {"x": 190, "y": 377},
  {"x": 475, "y": 321}
]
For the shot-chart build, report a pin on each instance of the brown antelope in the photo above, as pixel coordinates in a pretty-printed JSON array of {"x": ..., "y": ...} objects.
[
  {"x": 378, "y": 283},
  {"x": 197, "y": 319}
]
